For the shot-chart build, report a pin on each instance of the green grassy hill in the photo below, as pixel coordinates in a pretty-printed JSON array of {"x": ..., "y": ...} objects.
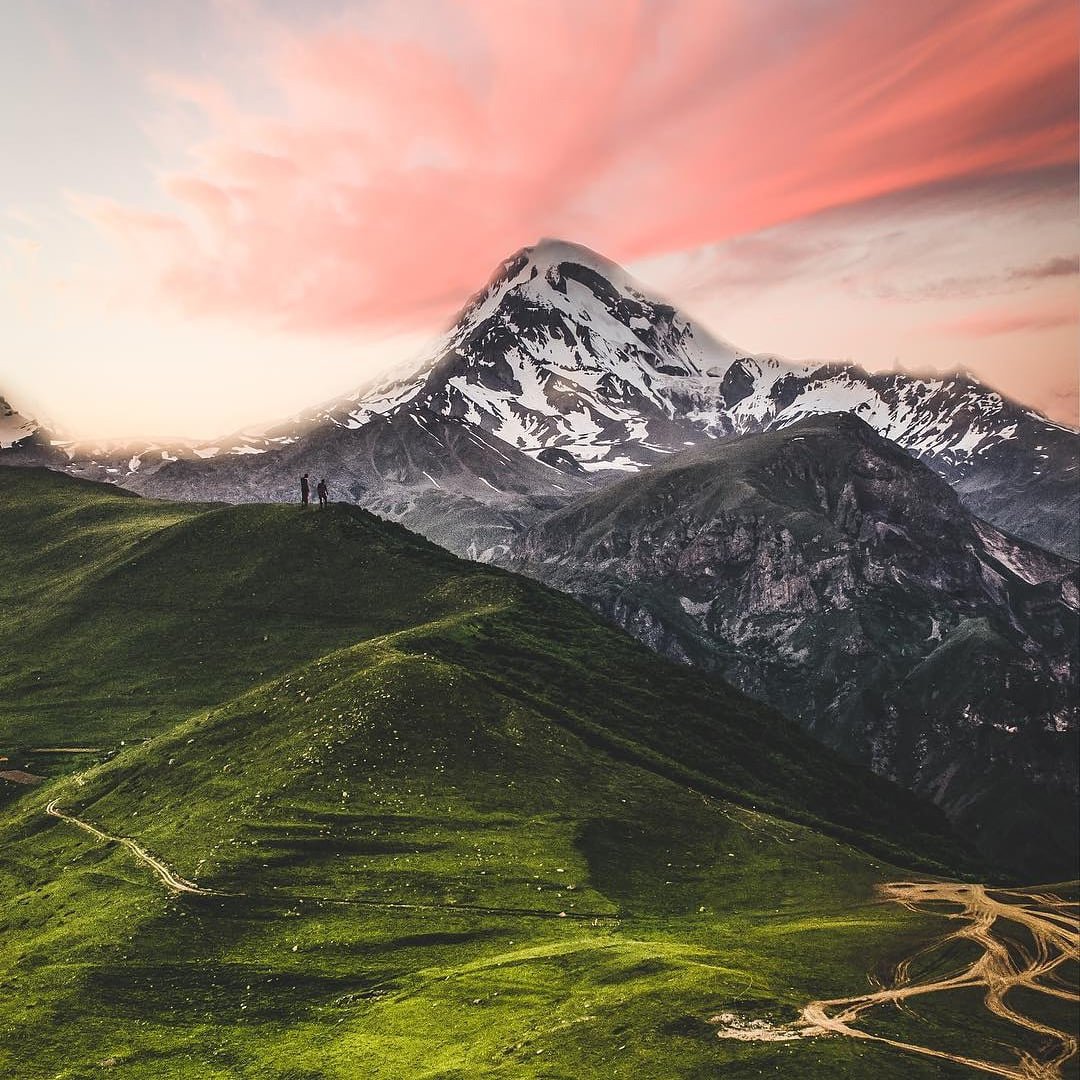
[{"x": 454, "y": 825}]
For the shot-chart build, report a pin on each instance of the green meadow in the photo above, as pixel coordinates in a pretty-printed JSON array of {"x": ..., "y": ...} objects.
[{"x": 450, "y": 823}]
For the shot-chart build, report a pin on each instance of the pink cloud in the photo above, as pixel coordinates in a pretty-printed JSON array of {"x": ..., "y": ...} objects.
[
  {"x": 993, "y": 321},
  {"x": 402, "y": 164}
]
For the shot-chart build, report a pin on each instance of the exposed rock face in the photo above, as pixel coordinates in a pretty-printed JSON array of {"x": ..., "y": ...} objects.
[
  {"x": 18, "y": 435},
  {"x": 825, "y": 571}
]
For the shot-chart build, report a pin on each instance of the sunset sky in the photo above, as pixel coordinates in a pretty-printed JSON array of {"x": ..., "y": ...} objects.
[{"x": 216, "y": 212}]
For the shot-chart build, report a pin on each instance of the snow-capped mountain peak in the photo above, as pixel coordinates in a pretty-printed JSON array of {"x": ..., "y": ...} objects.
[
  {"x": 561, "y": 349},
  {"x": 563, "y": 352},
  {"x": 564, "y": 349},
  {"x": 564, "y": 370}
]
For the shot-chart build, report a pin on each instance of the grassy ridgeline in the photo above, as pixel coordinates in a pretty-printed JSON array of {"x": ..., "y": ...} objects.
[{"x": 467, "y": 828}]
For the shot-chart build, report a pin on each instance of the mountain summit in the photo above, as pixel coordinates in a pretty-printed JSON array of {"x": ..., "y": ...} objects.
[
  {"x": 563, "y": 373},
  {"x": 564, "y": 356}
]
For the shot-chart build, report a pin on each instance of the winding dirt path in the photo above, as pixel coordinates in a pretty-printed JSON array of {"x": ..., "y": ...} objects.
[
  {"x": 1002, "y": 966},
  {"x": 169, "y": 877},
  {"x": 175, "y": 883}
]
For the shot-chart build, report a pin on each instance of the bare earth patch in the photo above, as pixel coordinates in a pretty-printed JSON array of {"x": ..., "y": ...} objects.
[
  {"x": 20, "y": 776},
  {"x": 1053, "y": 926}
]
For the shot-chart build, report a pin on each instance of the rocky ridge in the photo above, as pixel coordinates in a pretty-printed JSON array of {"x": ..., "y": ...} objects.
[{"x": 822, "y": 569}]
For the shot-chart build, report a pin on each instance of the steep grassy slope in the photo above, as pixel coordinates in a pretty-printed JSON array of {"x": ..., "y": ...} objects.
[{"x": 453, "y": 824}]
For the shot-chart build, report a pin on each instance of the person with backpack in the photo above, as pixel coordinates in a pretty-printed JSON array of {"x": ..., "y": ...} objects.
[{"x": 321, "y": 491}]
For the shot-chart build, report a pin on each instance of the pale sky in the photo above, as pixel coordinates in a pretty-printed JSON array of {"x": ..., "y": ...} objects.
[{"x": 214, "y": 213}]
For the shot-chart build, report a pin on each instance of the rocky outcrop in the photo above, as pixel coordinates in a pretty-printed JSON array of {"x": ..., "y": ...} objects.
[{"x": 825, "y": 571}]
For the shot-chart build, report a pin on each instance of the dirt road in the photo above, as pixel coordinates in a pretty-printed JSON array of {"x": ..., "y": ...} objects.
[
  {"x": 176, "y": 883},
  {"x": 169, "y": 877},
  {"x": 1004, "y": 964}
]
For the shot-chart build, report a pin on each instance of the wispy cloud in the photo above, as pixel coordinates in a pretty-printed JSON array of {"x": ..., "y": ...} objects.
[
  {"x": 1060, "y": 266},
  {"x": 994, "y": 321},
  {"x": 402, "y": 164},
  {"x": 1013, "y": 279}
]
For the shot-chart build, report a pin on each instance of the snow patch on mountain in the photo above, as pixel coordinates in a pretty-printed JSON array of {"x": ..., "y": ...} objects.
[
  {"x": 13, "y": 426},
  {"x": 564, "y": 359}
]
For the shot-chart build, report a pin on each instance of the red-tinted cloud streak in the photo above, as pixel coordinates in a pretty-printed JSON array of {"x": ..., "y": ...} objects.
[
  {"x": 399, "y": 171},
  {"x": 995, "y": 321}
]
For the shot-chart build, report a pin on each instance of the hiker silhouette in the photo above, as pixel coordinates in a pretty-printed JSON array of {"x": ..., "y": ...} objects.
[
  {"x": 305, "y": 491},
  {"x": 321, "y": 491}
]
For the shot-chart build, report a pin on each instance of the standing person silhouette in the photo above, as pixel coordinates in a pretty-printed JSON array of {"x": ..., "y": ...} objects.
[
  {"x": 305, "y": 491},
  {"x": 321, "y": 491}
]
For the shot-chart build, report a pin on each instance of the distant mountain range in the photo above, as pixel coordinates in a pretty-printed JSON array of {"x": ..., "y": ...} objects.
[
  {"x": 823, "y": 570},
  {"x": 873, "y": 575},
  {"x": 561, "y": 375}
]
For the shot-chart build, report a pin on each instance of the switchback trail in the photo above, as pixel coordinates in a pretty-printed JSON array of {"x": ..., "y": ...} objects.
[{"x": 1003, "y": 965}]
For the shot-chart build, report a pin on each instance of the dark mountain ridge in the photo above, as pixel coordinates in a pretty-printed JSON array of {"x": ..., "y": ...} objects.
[{"x": 823, "y": 570}]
